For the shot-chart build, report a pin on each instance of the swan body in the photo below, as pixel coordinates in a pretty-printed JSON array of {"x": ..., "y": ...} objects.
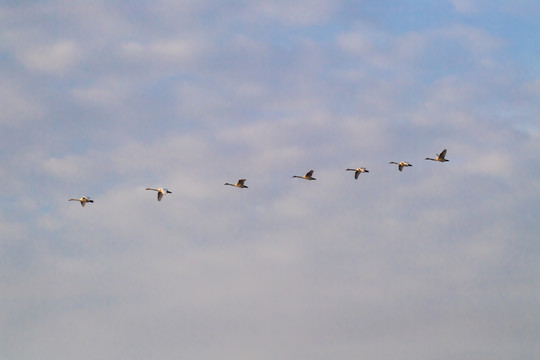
[
  {"x": 440, "y": 157},
  {"x": 239, "y": 184},
  {"x": 83, "y": 200},
  {"x": 308, "y": 176},
  {"x": 160, "y": 192},
  {"x": 358, "y": 171},
  {"x": 401, "y": 164}
]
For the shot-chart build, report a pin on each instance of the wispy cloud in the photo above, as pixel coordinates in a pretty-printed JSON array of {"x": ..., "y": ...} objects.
[{"x": 55, "y": 58}]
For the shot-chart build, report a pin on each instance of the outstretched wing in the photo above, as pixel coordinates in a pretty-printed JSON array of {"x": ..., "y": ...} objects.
[
  {"x": 310, "y": 173},
  {"x": 442, "y": 154},
  {"x": 356, "y": 173},
  {"x": 241, "y": 182},
  {"x": 159, "y": 196},
  {"x": 400, "y": 167}
]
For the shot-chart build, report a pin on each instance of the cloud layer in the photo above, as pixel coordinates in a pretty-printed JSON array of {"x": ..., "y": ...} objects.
[{"x": 105, "y": 99}]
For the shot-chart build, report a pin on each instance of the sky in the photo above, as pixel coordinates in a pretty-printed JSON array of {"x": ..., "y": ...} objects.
[{"x": 106, "y": 98}]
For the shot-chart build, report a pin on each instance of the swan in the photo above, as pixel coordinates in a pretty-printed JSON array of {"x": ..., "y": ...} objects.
[
  {"x": 308, "y": 176},
  {"x": 358, "y": 171},
  {"x": 83, "y": 200},
  {"x": 440, "y": 157},
  {"x": 160, "y": 192},
  {"x": 400, "y": 164},
  {"x": 239, "y": 184}
]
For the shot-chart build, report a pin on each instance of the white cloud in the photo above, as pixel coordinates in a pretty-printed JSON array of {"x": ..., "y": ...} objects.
[
  {"x": 398, "y": 52},
  {"x": 295, "y": 13},
  {"x": 109, "y": 94},
  {"x": 473, "y": 7},
  {"x": 466, "y": 6},
  {"x": 476, "y": 40},
  {"x": 57, "y": 58},
  {"x": 16, "y": 108},
  {"x": 175, "y": 50},
  {"x": 180, "y": 50},
  {"x": 495, "y": 163},
  {"x": 372, "y": 45}
]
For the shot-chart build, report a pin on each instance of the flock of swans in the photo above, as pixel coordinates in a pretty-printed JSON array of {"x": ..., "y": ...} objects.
[{"x": 309, "y": 176}]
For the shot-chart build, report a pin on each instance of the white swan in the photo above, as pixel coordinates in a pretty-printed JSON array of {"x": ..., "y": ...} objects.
[
  {"x": 440, "y": 157},
  {"x": 358, "y": 171},
  {"x": 239, "y": 184},
  {"x": 160, "y": 192},
  {"x": 83, "y": 200},
  {"x": 308, "y": 176},
  {"x": 400, "y": 164}
]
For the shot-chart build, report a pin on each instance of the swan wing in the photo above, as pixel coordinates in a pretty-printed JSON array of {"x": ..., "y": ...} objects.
[
  {"x": 442, "y": 154},
  {"x": 159, "y": 196}
]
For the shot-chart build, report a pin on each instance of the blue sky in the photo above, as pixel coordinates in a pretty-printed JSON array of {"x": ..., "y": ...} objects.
[{"x": 105, "y": 99}]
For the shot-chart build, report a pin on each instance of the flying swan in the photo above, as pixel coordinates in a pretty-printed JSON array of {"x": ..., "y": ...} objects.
[
  {"x": 308, "y": 176},
  {"x": 358, "y": 171},
  {"x": 400, "y": 164},
  {"x": 440, "y": 157},
  {"x": 160, "y": 192},
  {"x": 239, "y": 184},
  {"x": 83, "y": 200}
]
